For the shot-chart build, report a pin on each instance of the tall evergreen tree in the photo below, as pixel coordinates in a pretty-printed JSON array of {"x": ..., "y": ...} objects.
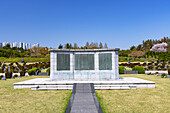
[
  {"x": 87, "y": 45},
  {"x": 60, "y": 47},
  {"x": 100, "y": 45},
  {"x": 105, "y": 45}
]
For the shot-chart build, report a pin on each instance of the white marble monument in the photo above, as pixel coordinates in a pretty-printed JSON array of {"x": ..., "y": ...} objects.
[{"x": 84, "y": 64}]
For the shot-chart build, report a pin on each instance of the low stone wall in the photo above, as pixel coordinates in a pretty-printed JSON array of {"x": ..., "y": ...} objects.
[{"x": 130, "y": 72}]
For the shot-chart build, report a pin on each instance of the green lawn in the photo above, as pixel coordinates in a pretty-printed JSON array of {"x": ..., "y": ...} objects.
[
  {"x": 155, "y": 100},
  {"x": 27, "y": 101}
]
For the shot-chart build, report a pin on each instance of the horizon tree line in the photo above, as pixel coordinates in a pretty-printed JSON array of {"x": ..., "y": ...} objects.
[{"x": 92, "y": 45}]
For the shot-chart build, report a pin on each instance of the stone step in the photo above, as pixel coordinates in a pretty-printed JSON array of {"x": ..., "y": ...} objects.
[
  {"x": 83, "y": 89},
  {"x": 54, "y": 89},
  {"x": 115, "y": 86}
]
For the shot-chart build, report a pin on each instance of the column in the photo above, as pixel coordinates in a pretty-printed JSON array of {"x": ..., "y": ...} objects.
[{"x": 52, "y": 65}]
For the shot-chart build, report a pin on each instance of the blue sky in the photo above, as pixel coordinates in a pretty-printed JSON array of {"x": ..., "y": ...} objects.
[{"x": 119, "y": 23}]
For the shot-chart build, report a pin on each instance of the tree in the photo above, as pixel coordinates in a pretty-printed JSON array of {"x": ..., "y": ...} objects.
[
  {"x": 60, "y": 47},
  {"x": 7, "y": 46},
  {"x": 87, "y": 45},
  {"x": 70, "y": 46},
  {"x": 105, "y": 45},
  {"x": 75, "y": 46},
  {"x": 96, "y": 45},
  {"x": 139, "y": 47},
  {"x": 159, "y": 47},
  {"x": 100, "y": 45},
  {"x": 91, "y": 44},
  {"x": 67, "y": 46},
  {"x": 168, "y": 47},
  {"x": 132, "y": 48}
]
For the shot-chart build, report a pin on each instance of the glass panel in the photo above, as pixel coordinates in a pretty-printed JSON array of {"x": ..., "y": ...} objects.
[
  {"x": 77, "y": 61},
  {"x": 84, "y": 62},
  {"x": 63, "y": 61},
  {"x": 105, "y": 61}
]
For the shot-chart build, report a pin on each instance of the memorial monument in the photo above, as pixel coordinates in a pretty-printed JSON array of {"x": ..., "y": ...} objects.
[
  {"x": 84, "y": 64},
  {"x": 97, "y": 66}
]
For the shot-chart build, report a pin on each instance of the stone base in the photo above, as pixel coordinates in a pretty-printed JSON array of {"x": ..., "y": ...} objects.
[{"x": 122, "y": 83}]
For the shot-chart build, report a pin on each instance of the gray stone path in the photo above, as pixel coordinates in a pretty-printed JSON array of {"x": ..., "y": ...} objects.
[{"x": 83, "y": 99}]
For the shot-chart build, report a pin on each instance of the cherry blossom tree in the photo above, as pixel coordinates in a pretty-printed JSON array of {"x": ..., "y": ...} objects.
[{"x": 159, "y": 47}]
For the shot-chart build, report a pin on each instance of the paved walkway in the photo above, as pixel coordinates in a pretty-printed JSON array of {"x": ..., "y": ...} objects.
[{"x": 84, "y": 101}]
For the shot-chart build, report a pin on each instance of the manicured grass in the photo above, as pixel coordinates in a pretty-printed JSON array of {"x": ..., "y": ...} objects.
[
  {"x": 27, "y": 101},
  {"x": 155, "y": 100}
]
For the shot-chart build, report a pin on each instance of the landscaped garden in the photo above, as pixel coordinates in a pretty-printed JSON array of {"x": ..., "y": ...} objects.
[
  {"x": 154, "y": 100},
  {"x": 25, "y": 100},
  {"x": 12, "y": 70}
]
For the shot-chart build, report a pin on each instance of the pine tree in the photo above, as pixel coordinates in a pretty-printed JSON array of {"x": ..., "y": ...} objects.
[
  {"x": 105, "y": 45},
  {"x": 67, "y": 46},
  {"x": 60, "y": 47},
  {"x": 87, "y": 45},
  {"x": 91, "y": 45},
  {"x": 100, "y": 45}
]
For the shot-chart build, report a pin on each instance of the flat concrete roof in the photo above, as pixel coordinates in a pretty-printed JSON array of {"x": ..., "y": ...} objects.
[{"x": 83, "y": 50}]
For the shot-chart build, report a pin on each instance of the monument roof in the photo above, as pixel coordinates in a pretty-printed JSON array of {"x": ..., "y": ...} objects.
[{"x": 83, "y": 50}]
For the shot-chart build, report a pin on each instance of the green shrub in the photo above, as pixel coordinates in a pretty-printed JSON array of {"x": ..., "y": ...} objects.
[
  {"x": 1, "y": 70},
  {"x": 142, "y": 60},
  {"x": 121, "y": 61},
  {"x": 8, "y": 74},
  {"x": 163, "y": 75},
  {"x": 33, "y": 70},
  {"x": 1, "y": 76},
  {"x": 48, "y": 70},
  {"x": 149, "y": 60},
  {"x": 131, "y": 60},
  {"x": 125, "y": 58},
  {"x": 136, "y": 59},
  {"x": 140, "y": 69},
  {"x": 22, "y": 73},
  {"x": 121, "y": 69}
]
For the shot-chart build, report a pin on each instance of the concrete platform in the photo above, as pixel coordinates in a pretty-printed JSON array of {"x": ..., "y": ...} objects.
[{"x": 47, "y": 84}]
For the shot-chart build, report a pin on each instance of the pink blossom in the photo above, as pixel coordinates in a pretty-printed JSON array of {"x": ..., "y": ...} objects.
[{"x": 159, "y": 47}]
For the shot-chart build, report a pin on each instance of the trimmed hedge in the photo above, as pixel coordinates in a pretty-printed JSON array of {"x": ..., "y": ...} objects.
[
  {"x": 121, "y": 69},
  {"x": 140, "y": 69},
  {"x": 8, "y": 74},
  {"x": 142, "y": 60},
  {"x": 149, "y": 60},
  {"x": 33, "y": 70},
  {"x": 48, "y": 70}
]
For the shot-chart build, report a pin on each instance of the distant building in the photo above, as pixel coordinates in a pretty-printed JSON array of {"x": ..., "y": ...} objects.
[
  {"x": 11, "y": 45},
  {"x": 15, "y": 44},
  {"x": 24, "y": 45},
  {"x": 29, "y": 46},
  {"x": 0, "y": 45},
  {"x": 36, "y": 45},
  {"x": 20, "y": 44},
  {"x": 3, "y": 44}
]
